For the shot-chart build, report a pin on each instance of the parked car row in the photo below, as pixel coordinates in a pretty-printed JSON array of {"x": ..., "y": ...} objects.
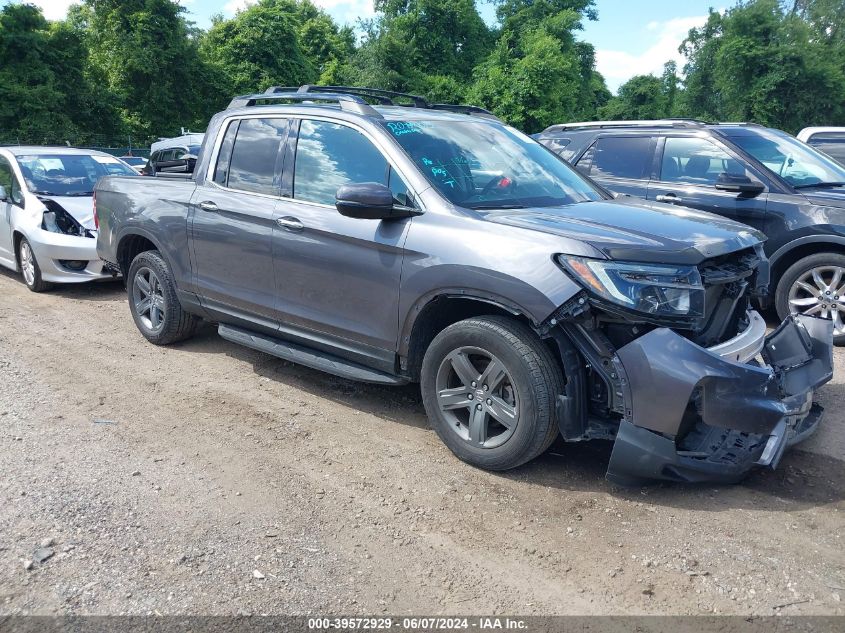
[{"x": 432, "y": 243}]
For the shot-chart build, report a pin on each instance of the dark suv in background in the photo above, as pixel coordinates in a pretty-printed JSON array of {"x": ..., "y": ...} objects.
[{"x": 759, "y": 176}]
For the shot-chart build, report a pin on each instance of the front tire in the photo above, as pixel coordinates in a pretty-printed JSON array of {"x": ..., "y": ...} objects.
[
  {"x": 153, "y": 302},
  {"x": 30, "y": 269},
  {"x": 489, "y": 387},
  {"x": 815, "y": 285}
]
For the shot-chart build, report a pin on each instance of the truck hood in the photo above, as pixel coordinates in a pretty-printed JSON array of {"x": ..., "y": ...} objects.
[
  {"x": 637, "y": 230},
  {"x": 80, "y": 207}
]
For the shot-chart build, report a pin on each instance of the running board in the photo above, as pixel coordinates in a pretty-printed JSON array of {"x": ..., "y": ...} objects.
[{"x": 307, "y": 356}]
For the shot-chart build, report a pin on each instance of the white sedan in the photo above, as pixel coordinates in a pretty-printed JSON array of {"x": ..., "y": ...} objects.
[{"x": 47, "y": 225}]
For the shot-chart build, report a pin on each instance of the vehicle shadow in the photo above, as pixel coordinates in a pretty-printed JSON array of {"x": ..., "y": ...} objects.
[
  {"x": 101, "y": 290},
  {"x": 804, "y": 478}
]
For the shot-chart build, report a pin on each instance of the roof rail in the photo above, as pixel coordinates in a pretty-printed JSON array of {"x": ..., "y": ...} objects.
[
  {"x": 612, "y": 124},
  {"x": 347, "y": 102},
  {"x": 464, "y": 109},
  {"x": 385, "y": 97},
  {"x": 351, "y": 98}
]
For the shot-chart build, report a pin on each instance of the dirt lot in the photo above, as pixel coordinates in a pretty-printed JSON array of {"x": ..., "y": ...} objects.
[{"x": 210, "y": 479}]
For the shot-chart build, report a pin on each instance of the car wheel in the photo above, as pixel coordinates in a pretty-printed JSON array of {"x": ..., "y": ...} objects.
[
  {"x": 153, "y": 302},
  {"x": 30, "y": 269},
  {"x": 815, "y": 286},
  {"x": 489, "y": 387}
]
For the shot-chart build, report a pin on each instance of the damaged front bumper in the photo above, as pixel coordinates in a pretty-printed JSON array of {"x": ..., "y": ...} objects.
[{"x": 741, "y": 413}]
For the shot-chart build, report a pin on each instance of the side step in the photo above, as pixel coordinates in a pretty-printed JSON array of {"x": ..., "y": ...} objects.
[{"x": 307, "y": 356}]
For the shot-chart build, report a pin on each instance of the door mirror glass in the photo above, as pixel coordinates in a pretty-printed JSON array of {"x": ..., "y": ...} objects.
[
  {"x": 369, "y": 201},
  {"x": 182, "y": 165},
  {"x": 739, "y": 183},
  {"x": 3, "y": 195}
]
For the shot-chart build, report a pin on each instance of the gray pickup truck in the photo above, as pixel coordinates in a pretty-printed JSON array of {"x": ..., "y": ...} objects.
[{"x": 435, "y": 244}]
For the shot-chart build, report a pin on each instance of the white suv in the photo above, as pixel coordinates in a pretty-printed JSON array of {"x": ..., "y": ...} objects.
[{"x": 47, "y": 223}]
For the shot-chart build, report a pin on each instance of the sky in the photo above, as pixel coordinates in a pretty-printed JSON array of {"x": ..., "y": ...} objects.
[{"x": 631, "y": 37}]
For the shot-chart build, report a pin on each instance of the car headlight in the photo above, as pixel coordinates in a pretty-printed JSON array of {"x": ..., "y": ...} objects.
[
  {"x": 58, "y": 220},
  {"x": 655, "y": 289}
]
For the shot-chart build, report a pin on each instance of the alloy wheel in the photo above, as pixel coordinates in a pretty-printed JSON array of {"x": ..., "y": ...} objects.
[
  {"x": 477, "y": 397},
  {"x": 27, "y": 263},
  {"x": 820, "y": 292},
  {"x": 148, "y": 298}
]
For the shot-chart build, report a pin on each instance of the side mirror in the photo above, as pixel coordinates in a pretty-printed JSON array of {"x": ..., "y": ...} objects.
[
  {"x": 3, "y": 195},
  {"x": 738, "y": 183},
  {"x": 183, "y": 165},
  {"x": 369, "y": 201}
]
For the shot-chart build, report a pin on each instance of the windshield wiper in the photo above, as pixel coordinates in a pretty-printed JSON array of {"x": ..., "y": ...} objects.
[
  {"x": 489, "y": 207},
  {"x": 825, "y": 185}
]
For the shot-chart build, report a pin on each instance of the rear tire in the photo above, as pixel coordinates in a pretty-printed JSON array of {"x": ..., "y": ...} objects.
[
  {"x": 815, "y": 285},
  {"x": 489, "y": 387},
  {"x": 153, "y": 303},
  {"x": 30, "y": 269}
]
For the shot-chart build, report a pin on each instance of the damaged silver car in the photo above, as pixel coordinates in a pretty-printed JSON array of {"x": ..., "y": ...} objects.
[{"x": 47, "y": 224}]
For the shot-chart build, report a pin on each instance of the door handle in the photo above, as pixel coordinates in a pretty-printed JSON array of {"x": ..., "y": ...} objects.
[
  {"x": 208, "y": 205},
  {"x": 671, "y": 198},
  {"x": 290, "y": 224}
]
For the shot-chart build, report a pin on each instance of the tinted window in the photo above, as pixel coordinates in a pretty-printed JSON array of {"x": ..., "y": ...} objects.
[
  {"x": 255, "y": 154},
  {"x": 618, "y": 157},
  {"x": 696, "y": 160},
  {"x": 330, "y": 155},
  {"x": 221, "y": 170}
]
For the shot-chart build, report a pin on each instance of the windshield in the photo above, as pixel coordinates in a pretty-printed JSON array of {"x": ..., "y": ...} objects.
[
  {"x": 797, "y": 163},
  {"x": 481, "y": 165},
  {"x": 69, "y": 174}
]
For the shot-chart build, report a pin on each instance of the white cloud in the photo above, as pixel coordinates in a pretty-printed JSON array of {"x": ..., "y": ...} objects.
[
  {"x": 619, "y": 66},
  {"x": 342, "y": 10},
  {"x": 53, "y": 9}
]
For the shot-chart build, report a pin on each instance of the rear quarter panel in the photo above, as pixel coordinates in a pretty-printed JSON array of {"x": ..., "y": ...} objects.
[{"x": 155, "y": 208}]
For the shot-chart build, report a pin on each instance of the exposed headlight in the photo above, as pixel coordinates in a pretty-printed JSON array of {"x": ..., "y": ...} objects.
[
  {"x": 60, "y": 221},
  {"x": 656, "y": 289}
]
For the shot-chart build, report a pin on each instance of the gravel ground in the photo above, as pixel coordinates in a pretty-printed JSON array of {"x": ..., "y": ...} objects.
[{"x": 206, "y": 478}]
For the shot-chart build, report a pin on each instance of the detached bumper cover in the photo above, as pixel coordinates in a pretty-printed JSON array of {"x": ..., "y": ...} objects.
[{"x": 762, "y": 409}]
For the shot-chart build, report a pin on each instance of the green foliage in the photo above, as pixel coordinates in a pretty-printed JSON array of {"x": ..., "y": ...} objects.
[
  {"x": 538, "y": 74},
  {"x": 766, "y": 63},
  {"x": 644, "y": 97},
  {"x": 115, "y": 68},
  {"x": 45, "y": 96}
]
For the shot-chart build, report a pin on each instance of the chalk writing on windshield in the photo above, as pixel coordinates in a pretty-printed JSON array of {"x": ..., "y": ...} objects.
[{"x": 400, "y": 128}]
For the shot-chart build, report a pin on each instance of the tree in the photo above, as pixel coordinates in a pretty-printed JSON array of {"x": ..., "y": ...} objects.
[
  {"x": 760, "y": 62},
  {"x": 538, "y": 73},
  {"x": 146, "y": 54},
  {"x": 45, "y": 94},
  {"x": 258, "y": 48},
  {"x": 641, "y": 97}
]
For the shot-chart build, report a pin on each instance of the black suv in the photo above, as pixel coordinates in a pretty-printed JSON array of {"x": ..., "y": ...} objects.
[{"x": 759, "y": 176}]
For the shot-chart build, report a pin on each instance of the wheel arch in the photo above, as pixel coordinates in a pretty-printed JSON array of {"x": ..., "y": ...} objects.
[
  {"x": 797, "y": 249},
  {"x": 438, "y": 310},
  {"x": 131, "y": 244}
]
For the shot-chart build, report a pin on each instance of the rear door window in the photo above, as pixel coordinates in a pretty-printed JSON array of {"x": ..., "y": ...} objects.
[
  {"x": 627, "y": 157},
  {"x": 255, "y": 161}
]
